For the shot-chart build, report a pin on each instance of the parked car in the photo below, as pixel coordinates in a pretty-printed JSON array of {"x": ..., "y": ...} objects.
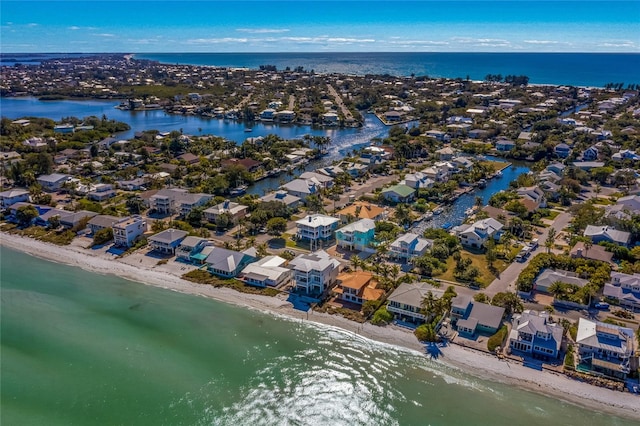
[{"x": 601, "y": 305}]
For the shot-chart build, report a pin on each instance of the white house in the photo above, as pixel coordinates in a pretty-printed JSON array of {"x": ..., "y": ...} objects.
[
  {"x": 476, "y": 234},
  {"x": 408, "y": 246},
  {"x": 534, "y": 333},
  {"x": 302, "y": 188},
  {"x": 177, "y": 201},
  {"x": 235, "y": 210},
  {"x": 625, "y": 290},
  {"x": 127, "y": 230},
  {"x": 315, "y": 228},
  {"x": 314, "y": 273},
  {"x": 606, "y": 348},
  {"x": 168, "y": 240},
  {"x": 268, "y": 271},
  {"x": 418, "y": 180},
  {"x": 53, "y": 182},
  {"x": 405, "y": 303}
]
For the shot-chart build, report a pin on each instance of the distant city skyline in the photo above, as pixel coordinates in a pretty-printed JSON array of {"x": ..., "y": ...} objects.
[{"x": 327, "y": 26}]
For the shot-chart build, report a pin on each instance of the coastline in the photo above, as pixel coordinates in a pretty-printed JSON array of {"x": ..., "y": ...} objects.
[{"x": 478, "y": 364}]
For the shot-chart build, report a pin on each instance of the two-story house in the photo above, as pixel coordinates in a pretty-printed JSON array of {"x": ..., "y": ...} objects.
[
  {"x": 13, "y": 196},
  {"x": 53, "y": 182},
  {"x": 128, "y": 230},
  {"x": 597, "y": 233},
  {"x": 268, "y": 271},
  {"x": 606, "y": 348},
  {"x": 314, "y": 273},
  {"x": 190, "y": 250},
  {"x": 316, "y": 228},
  {"x": 534, "y": 194},
  {"x": 357, "y": 235},
  {"x": 358, "y": 287},
  {"x": 469, "y": 316},
  {"x": 534, "y": 334},
  {"x": 228, "y": 263},
  {"x": 235, "y": 210},
  {"x": 399, "y": 194},
  {"x": 624, "y": 289},
  {"x": 167, "y": 241},
  {"x": 177, "y": 201},
  {"x": 405, "y": 303},
  {"x": 407, "y": 246},
  {"x": 476, "y": 234}
]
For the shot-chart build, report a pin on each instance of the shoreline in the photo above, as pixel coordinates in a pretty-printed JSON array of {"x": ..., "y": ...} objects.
[{"x": 478, "y": 364}]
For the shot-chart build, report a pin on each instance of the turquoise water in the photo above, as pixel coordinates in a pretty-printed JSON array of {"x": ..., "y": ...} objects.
[{"x": 85, "y": 349}]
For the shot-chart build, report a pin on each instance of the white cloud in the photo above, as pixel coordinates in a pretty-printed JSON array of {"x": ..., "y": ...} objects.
[
  {"x": 419, "y": 42},
  {"x": 217, "y": 40},
  {"x": 618, "y": 43},
  {"x": 74, "y": 28},
  {"x": 541, "y": 41},
  {"x": 32, "y": 24},
  {"x": 262, "y": 30},
  {"x": 105, "y": 35}
]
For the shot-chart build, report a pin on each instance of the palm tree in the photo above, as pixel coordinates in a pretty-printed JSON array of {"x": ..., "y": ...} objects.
[
  {"x": 356, "y": 262},
  {"x": 478, "y": 202},
  {"x": 557, "y": 288},
  {"x": 597, "y": 190},
  {"x": 549, "y": 242},
  {"x": 587, "y": 245}
]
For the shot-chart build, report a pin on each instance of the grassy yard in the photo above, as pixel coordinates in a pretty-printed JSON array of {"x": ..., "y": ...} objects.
[
  {"x": 495, "y": 165},
  {"x": 201, "y": 276},
  {"x": 480, "y": 262}
]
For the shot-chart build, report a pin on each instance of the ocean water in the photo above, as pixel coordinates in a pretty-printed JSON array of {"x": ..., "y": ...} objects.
[
  {"x": 577, "y": 69},
  {"x": 86, "y": 349}
]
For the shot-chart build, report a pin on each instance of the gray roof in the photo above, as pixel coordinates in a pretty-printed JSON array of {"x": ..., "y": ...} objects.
[
  {"x": 619, "y": 340},
  {"x": 461, "y": 302},
  {"x": 487, "y": 315},
  {"x": 281, "y": 196},
  {"x": 169, "y": 236},
  {"x": 412, "y": 294},
  {"x": 550, "y": 276},
  {"x": 53, "y": 178},
  {"x": 16, "y": 192},
  {"x": 226, "y": 260},
  {"x": 74, "y": 217},
  {"x": 532, "y": 322},
  {"x": 362, "y": 225},
  {"x": 181, "y": 196},
  {"x": 607, "y": 232},
  {"x": 316, "y": 261},
  {"x": 191, "y": 241},
  {"x": 103, "y": 220}
]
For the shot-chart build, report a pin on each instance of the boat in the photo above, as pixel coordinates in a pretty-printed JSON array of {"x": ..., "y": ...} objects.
[
  {"x": 438, "y": 210},
  {"x": 499, "y": 174},
  {"x": 428, "y": 215},
  {"x": 447, "y": 226},
  {"x": 240, "y": 190},
  {"x": 482, "y": 183},
  {"x": 469, "y": 211},
  {"x": 248, "y": 129}
]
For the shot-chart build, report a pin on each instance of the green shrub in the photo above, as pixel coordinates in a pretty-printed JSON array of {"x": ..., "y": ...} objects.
[
  {"x": 382, "y": 316},
  {"x": 102, "y": 236},
  {"x": 426, "y": 333},
  {"x": 569, "y": 361},
  {"x": 497, "y": 339}
]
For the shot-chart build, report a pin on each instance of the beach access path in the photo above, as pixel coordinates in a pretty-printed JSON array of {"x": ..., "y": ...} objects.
[{"x": 477, "y": 363}]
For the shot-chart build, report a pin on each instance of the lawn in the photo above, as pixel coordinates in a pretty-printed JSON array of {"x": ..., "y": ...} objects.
[
  {"x": 480, "y": 262},
  {"x": 495, "y": 165}
]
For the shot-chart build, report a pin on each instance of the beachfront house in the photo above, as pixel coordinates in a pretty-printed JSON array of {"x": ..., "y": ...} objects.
[
  {"x": 268, "y": 271},
  {"x": 167, "y": 241},
  {"x": 357, "y": 235},
  {"x": 101, "y": 221},
  {"x": 606, "y": 348},
  {"x": 74, "y": 219},
  {"x": 534, "y": 334},
  {"x": 478, "y": 233},
  {"x": 405, "y": 303},
  {"x": 314, "y": 273},
  {"x": 624, "y": 290},
  {"x": 407, "y": 246},
  {"x": 316, "y": 228},
  {"x": 399, "y": 194},
  {"x": 471, "y": 317},
  {"x": 357, "y": 287},
  {"x": 13, "y": 196},
  {"x": 228, "y": 263},
  {"x": 597, "y": 233},
  {"x": 128, "y": 230},
  {"x": 189, "y": 250}
]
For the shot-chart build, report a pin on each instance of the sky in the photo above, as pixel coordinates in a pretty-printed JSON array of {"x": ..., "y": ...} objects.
[{"x": 319, "y": 26}]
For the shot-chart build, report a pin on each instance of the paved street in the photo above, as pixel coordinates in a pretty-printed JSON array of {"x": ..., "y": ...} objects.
[{"x": 508, "y": 277}]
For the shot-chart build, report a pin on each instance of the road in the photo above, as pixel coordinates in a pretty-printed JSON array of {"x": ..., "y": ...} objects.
[
  {"x": 507, "y": 280},
  {"x": 345, "y": 111}
]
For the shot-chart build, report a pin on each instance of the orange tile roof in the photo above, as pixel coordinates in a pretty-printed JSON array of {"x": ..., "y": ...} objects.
[
  {"x": 372, "y": 293},
  {"x": 367, "y": 210},
  {"x": 356, "y": 280}
]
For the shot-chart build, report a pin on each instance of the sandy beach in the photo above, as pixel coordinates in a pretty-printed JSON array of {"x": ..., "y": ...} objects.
[{"x": 473, "y": 362}]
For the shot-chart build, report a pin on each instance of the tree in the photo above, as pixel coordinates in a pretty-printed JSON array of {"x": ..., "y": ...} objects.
[
  {"x": 102, "y": 236},
  {"x": 159, "y": 225},
  {"x": 54, "y": 222},
  {"x": 26, "y": 214},
  {"x": 276, "y": 226},
  {"x": 135, "y": 205},
  {"x": 314, "y": 204},
  {"x": 509, "y": 301},
  {"x": 194, "y": 217},
  {"x": 356, "y": 262},
  {"x": 550, "y": 241},
  {"x": 402, "y": 214},
  {"x": 491, "y": 256}
]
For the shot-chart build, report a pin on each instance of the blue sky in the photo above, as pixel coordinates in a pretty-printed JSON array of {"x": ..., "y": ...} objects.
[{"x": 326, "y": 26}]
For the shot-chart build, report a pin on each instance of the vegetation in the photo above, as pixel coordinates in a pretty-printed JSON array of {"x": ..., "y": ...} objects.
[
  {"x": 201, "y": 276},
  {"x": 569, "y": 358},
  {"x": 497, "y": 339},
  {"x": 382, "y": 316},
  {"x": 102, "y": 236}
]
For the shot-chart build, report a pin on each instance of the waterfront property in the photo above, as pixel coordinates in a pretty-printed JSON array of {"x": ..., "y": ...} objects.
[
  {"x": 167, "y": 241},
  {"x": 357, "y": 235},
  {"x": 399, "y": 194},
  {"x": 282, "y": 196},
  {"x": 469, "y": 316},
  {"x": 358, "y": 287},
  {"x": 268, "y": 271},
  {"x": 407, "y": 246},
  {"x": 128, "y": 230},
  {"x": 74, "y": 219},
  {"x": 361, "y": 210},
  {"x": 302, "y": 188},
  {"x": 476, "y": 234},
  {"x": 13, "y": 196},
  {"x": 624, "y": 289},
  {"x": 606, "y": 348},
  {"x": 533, "y": 333},
  {"x": 405, "y": 303},
  {"x": 314, "y": 273},
  {"x": 190, "y": 250},
  {"x": 227, "y": 263},
  {"x": 101, "y": 221},
  {"x": 316, "y": 228}
]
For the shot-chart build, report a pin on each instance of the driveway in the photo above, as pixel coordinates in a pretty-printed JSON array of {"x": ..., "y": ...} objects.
[{"x": 507, "y": 280}]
